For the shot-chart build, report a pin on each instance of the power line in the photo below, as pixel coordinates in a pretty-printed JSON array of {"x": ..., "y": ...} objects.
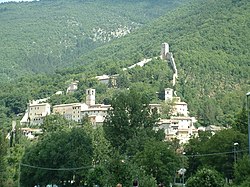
[
  {"x": 212, "y": 154},
  {"x": 85, "y": 167},
  {"x": 56, "y": 169}
]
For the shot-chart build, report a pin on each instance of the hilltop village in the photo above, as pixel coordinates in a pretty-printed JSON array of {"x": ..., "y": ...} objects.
[{"x": 179, "y": 126}]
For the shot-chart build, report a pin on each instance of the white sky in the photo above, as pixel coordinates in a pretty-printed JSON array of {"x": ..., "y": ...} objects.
[{"x": 2, "y": 1}]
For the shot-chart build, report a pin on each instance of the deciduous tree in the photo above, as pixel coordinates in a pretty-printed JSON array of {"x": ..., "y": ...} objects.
[
  {"x": 129, "y": 118},
  {"x": 59, "y": 149},
  {"x": 206, "y": 178}
]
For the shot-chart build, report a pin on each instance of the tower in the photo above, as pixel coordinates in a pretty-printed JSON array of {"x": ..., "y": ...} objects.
[
  {"x": 168, "y": 94},
  {"x": 164, "y": 50},
  {"x": 90, "y": 96}
]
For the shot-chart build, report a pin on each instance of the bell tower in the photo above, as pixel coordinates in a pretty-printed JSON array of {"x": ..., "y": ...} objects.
[
  {"x": 168, "y": 94},
  {"x": 90, "y": 96}
]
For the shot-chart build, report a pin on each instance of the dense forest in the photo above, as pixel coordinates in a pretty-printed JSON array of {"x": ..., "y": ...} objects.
[
  {"x": 210, "y": 43},
  {"x": 42, "y": 36}
]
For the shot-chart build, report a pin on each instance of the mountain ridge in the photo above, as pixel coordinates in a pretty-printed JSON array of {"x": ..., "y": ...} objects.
[
  {"x": 44, "y": 35},
  {"x": 211, "y": 56},
  {"x": 210, "y": 41}
]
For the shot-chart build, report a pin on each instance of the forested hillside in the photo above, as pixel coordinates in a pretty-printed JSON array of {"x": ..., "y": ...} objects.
[
  {"x": 210, "y": 41},
  {"x": 211, "y": 45},
  {"x": 40, "y": 36}
]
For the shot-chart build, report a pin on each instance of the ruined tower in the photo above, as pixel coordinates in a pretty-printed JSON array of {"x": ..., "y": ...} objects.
[{"x": 164, "y": 50}]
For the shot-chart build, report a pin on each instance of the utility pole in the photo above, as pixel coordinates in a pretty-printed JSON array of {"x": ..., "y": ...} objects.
[
  {"x": 235, "y": 152},
  {"x": 248, "y": 111}
]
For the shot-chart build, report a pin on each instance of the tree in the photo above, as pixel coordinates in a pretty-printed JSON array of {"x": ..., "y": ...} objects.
[
  {"x": 123, "y": 170},
  {"x": 3, "y": 153},
  {"x": 223, "y": 141},
  {"x": 158, "y": 160},
  {"x": 123, "y": 80},
  {"x": 16, "y": 102},
  {"x": 196, "y": 146},
  {"x": 206, "y": 177},
  {"x": 167, "y": 109},
  {"x": 101, "y": 146},
  {"x": 242, "y": 169},
  {"x": 55, "y": 122},
  {"x": 240, "y": 122},
  {"x": 221, "y": 145},
  {"x": 59, "y": 149},
  {"x": 129, "y": 117}
]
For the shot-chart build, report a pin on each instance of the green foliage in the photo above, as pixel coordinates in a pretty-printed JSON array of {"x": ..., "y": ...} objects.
[
  {"x": 245, "y": 183},
  {"x": 158, "y": 160},
  {"x": 13, "y": 159},
  {"x": 206, "y": 177},
  {"x": 222, "y": 142},
  {"x": 166, "y": 109},
  {"x": 101, "y": 147},
  {"x": 211, "y": 65},
  {"x": 196, "y": 146},
  {"x": 60, "y": 149},
  {"x": 129, "y": 119},
  {"x": 43, "y": 36},
  {"x": 241, "y": 123},
  {"x": 209, "y": 49},
  {"x": 242, "y": 169},
  {"x": 3, "y": 153},
  {"x": 123, "y": 170},
  {"x": 56, "y": 122}
]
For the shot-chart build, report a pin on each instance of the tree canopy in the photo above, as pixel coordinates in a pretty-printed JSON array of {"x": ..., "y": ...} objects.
[
  {"x": 130, "y": 121},
  {"x": 44, "y": 162},
  {"x": 206, "y": 177}
]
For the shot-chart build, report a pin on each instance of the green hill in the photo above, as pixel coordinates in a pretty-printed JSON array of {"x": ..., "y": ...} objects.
[
  {"x": 211, "y": 44},
  {"x": 41, "y": 36}
]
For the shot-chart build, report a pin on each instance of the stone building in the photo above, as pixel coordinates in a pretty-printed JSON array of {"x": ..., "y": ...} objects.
[{"x": 35, "y": 113}]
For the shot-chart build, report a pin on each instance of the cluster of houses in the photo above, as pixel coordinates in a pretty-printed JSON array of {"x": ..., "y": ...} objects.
[{"x": 179, "y": 126}]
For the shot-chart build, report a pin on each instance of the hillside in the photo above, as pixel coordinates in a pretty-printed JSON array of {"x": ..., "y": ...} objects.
[
  {"x": 211, "y": 44},
  {"x": 41, "y": 36}
]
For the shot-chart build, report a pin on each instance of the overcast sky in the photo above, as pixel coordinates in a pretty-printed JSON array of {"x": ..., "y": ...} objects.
[{"x": 1, "y": 1}]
